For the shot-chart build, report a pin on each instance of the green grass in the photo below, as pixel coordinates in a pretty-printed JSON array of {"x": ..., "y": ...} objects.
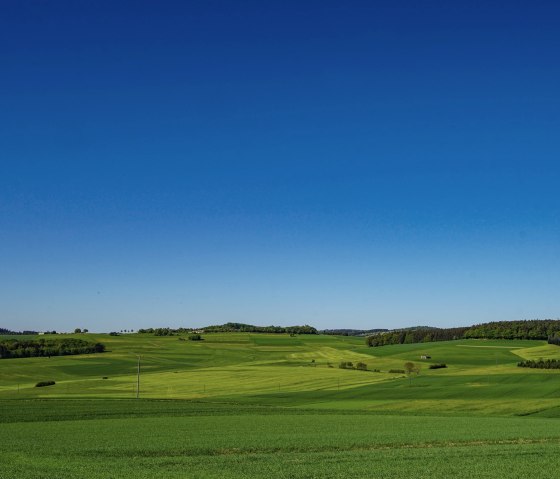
[
  {"x": 142, "y": 439},
  {"x": 252, "y": 405},
  {"x": 268, "y": 369}
]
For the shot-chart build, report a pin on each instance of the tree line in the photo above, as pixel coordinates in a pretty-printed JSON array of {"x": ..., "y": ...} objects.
[
  {"x": 8, "y": 332},
  {"x": 233, "y": 328},
  {"x": 546, "y": 329},
  {"x": 528, "y": 329},
  {"x": 250, "y": 328},
  {"x": 352, "y": 332},
  {"x": 421, "y": 335},
  {"x": 16, "y": 348}
]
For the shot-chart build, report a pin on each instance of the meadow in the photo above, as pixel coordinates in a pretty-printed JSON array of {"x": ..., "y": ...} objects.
[{"x": 249, "y": 405}]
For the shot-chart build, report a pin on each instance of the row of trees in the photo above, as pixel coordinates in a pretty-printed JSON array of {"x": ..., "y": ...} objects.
[
  {"x": 165, "y": 331},
  {"x": 420, "y": 335},
  {"x": 350, "y": 365},
  {"x": 11, "y": 333},
  {"x": 530, "y": 329},
  {"x": 15, "y": 348},
  {"x": 250, "y": 328},
  {"x": 351, "y": 332},
  {"x": 233, "y": 328}
]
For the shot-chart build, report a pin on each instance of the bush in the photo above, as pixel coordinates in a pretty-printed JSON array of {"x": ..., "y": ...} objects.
[
  {"x": 361, "y": 366},
  {"x": 346, "y": 365},
  {"x": 540, "y": 364},
  {"x": 42, "y": 384},
  {"x": 195, "y": 337},
  {"x": 437, "y": 366},
  {"x": 396, "y": 371},
  {"x": 163, "y": 332}
]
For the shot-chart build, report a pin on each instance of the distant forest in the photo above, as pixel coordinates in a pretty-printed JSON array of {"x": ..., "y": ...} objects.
[
  {"x": 546, "y": 329},
  {"x": 233, "y": 328},
  {"x": 352, "y": 332},
  {"x": 249, "y": 328},
  {"x": 27, "y": 348},
  {"x": 10, "y": 333},
  {"x": 420, "y": 335}
]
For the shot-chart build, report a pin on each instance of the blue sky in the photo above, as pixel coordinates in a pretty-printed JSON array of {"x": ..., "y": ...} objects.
[{"x": 341, "y": 164}]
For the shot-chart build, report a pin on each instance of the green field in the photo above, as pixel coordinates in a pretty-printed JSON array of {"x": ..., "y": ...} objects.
[{"x": 249, "y": 405}]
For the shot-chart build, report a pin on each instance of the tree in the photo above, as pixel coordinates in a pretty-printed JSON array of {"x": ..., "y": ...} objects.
[
  {"x": 361, "y": 366},
  {"x": 410, "y": 368},
  {"x": 77, "y": 331}
]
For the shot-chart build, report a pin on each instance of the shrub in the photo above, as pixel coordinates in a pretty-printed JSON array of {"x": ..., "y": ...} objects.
[
  {"x": 361, "y": 366},
  {"x": 42, "y": 384},
  {"x": 540, "y": 364},
  {"x": 195, "y": 337},
  {"x": 163, "y": 332},
  {"x": 437, "y": 366},
  {"x": 346, "y": 365},
  {"x": 396, "y": 371}
]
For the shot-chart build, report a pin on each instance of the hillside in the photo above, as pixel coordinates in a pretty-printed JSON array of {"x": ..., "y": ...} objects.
[
  {"x": 300, "y": 371},
  {"x": 256, "y": 404}
]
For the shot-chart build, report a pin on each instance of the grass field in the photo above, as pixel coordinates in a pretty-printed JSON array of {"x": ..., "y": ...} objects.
[
  {"x": 301, "y": 371},
  {"x": 250, "y": 405}
]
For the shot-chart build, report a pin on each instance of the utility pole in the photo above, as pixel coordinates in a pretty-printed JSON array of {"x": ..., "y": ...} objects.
[{"x": 138, "y": 380}]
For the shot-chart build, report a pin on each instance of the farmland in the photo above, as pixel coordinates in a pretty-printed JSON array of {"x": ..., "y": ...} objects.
[{"x": 249, "y": 405}]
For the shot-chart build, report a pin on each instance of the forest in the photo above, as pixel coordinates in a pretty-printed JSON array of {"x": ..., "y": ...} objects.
[
  {"x": 27, "y": 348},
  {"x": 420, "y": 335},
  {"x": 547, "y": 329}
]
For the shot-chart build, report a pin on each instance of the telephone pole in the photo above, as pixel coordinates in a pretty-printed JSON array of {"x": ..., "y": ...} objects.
[{"x": 138, "y": 380}]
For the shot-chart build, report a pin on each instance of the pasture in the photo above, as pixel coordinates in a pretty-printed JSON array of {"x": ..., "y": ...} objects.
[{"x": 251, "y": 405}]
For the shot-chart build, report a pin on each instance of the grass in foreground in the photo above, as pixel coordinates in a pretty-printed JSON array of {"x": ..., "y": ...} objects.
[{"x": 225, "y": 441}]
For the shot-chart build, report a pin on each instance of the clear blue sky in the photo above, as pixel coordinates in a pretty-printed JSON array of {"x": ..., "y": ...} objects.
[{"x": 341, "y": 164}]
